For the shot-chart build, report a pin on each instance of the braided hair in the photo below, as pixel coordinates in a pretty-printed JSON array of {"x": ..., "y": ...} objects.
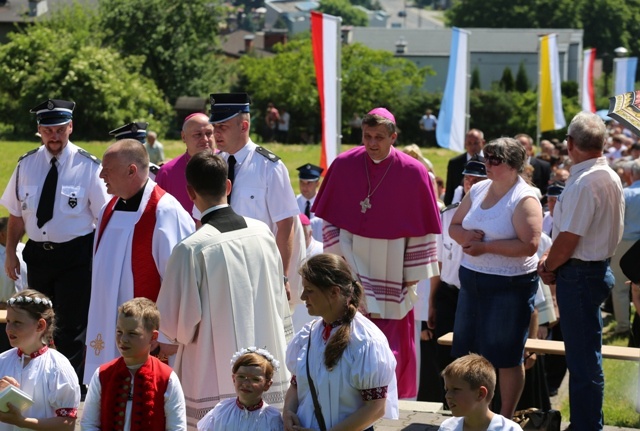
[{"x": 326, "y": 271}]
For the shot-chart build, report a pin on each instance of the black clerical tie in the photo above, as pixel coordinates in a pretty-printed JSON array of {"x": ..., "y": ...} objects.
[
  {"x": 231, "y": 174},
  {"x": 307, "y": 210},
  {"x": 48, "y": 195}
]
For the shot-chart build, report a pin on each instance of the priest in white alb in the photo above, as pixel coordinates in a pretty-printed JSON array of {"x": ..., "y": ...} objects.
[
  {"x": 222, "y": 291},
  {"x": 380, "y": 213},
  {"x": 137, "y": 231}
]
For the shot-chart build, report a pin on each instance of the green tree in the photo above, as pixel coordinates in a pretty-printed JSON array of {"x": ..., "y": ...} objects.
[
  {"x": 492, "y": 13},
  {"x": 408, "y": 112},
  {"x": 369, "y": 78},
  {"x": 78, "y": 19},
  {"x": 506, "y": 82},
  {"x": 632, "y": 26},
  {"x": 525, "y": 114},
  {"x": 176, "y": 39},
  {"x": 109, "y": 90},
  {"x": 343, "y": 8},
  {"x": 557, "y": 13},
  {"x": 607, "y": 24},
  {"x": 569, "y": 89},
  {"x": 377, "y": 78},
  {"x": 475, "y": 78},
  {"x": 516, "y": 13},
  {"x": 489, "y": 111},
  {"x": 522, "y": 80},
  {"x": 606, "y": 21}
]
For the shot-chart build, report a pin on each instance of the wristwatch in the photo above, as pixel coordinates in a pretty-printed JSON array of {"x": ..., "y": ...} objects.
[{"x": 286, "y": 279}]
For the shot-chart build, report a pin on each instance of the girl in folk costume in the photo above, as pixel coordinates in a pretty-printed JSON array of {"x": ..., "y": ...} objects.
[
  {"x": 43, "y": 373},
  {"x": 253, "y": 370},
  {"x": 344, "y": 371}
]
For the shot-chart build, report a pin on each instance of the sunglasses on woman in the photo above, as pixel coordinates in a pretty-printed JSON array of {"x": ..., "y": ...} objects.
[{"x": 494, "y": 160}]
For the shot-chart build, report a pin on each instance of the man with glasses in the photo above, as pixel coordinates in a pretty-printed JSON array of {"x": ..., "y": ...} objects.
[
  {"x": 55, "y": 194},
  {"x": 197, "y": 134},
  {"x": 587, "y": 227}
]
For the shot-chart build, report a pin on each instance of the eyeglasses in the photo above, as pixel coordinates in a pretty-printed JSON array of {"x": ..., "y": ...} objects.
[{"x": 493, "y": 160}]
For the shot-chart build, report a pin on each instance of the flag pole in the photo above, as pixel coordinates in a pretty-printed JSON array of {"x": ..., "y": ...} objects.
[
  {"x": 339, "y": 86},
  {"x": 468, "y": 102},
  {"x": 538, "y": 133}
]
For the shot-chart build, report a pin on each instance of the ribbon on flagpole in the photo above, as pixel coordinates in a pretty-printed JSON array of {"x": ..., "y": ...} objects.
[
  {"x": 326, "y": 57},
  {"x": 625, "y": 70},
  {"x": 588, "y": 93},
  {"x": 452, "y": 117},
  {"x": 550, "y": 97}
]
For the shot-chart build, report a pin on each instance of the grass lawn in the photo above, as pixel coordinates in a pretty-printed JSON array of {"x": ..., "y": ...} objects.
[
  {"x": 292, "y": 156},
  {"x": 621, "y": 377},
  {"x": 620, "y": 387}
]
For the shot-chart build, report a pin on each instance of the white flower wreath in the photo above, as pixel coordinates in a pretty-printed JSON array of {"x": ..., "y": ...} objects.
[
  {"x": 262, "y": 352},
  {"x": 28, "y": 300}
]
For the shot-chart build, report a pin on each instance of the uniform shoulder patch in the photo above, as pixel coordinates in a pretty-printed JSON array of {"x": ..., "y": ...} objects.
[
  {"x": 450, "y": 207},
  {"x": 268, "y": 154},
  {"x": 28, "y": 153},
  {"x": 89, "y": 156}
]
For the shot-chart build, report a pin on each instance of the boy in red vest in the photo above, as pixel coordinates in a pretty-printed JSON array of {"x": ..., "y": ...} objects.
[{"x": 126, "y": 393}]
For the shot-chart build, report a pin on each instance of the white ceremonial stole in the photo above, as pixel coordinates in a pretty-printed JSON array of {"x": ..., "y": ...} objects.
[
  {"x": 111, "y": 283},
  {"x": 113, "y": 286}
]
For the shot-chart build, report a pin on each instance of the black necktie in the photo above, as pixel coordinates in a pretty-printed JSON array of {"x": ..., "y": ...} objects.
[
  {"x": 307, "y": 210},
  {"x": 231, "y": 174},
  {"x": 48, "y": 195}
]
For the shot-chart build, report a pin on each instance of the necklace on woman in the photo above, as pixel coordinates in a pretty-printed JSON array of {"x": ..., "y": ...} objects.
[{"x": 366, "y": 204}]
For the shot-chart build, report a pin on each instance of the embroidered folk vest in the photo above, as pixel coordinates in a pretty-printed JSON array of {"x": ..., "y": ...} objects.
[{"x": 150, "y": 384}]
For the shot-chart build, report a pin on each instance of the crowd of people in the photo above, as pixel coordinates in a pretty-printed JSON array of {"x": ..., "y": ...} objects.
[{"x": 148, "y": 281}]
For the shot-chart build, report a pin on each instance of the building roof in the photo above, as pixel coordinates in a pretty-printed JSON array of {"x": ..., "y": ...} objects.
[
  {"x": 438, "y": 41},
  {"x": 234, "y": 44},
  {"x": 283, "y": 6}
]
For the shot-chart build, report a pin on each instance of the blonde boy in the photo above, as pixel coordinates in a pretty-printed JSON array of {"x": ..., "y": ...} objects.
[
  {"x": 469, "y": 384},
  {"x": 126, "y": 393}
]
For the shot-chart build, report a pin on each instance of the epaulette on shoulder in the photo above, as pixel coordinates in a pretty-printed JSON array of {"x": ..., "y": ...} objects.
[
  {"x": 27, "y": 154},
  {"x": 89, "y": 156},
  {"x": 268, "y": 154},
  {"x": 450, "y": 207}
]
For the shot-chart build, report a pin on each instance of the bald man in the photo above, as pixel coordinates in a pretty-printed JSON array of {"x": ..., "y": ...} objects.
[
  {"x": 136, "y": 233},
  {"x": 197, "y": 134}
]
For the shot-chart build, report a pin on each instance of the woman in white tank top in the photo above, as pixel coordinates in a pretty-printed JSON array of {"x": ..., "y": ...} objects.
[{"x": 498, "y": 225}]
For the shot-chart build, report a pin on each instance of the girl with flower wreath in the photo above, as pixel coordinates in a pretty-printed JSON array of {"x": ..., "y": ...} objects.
[
  {"x": 43, "y": 373},
  {"x": 253, "y": 370}
]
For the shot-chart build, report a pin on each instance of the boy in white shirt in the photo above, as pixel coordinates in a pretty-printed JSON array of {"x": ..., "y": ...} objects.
[
  {"x": 135, "y": 392},
  {"x": 469, "y": 384}
]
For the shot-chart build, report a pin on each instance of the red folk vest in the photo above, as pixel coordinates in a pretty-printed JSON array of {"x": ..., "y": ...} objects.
[{"x": 150, "y": 384}]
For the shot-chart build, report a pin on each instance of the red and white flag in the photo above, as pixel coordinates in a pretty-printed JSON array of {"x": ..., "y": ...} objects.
[
  {"x": 325, "y": 41},
  {"x": 588, "y": 93}
]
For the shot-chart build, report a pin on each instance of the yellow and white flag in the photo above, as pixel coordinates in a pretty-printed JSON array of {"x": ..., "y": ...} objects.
[{"x": 550, "y": 97}]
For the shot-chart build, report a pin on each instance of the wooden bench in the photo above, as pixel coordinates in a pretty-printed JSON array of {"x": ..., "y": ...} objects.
[{"x": 557, "y": 348}]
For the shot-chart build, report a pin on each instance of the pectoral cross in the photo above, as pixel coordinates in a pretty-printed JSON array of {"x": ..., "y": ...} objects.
[{"x": 365, "y": 205}]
